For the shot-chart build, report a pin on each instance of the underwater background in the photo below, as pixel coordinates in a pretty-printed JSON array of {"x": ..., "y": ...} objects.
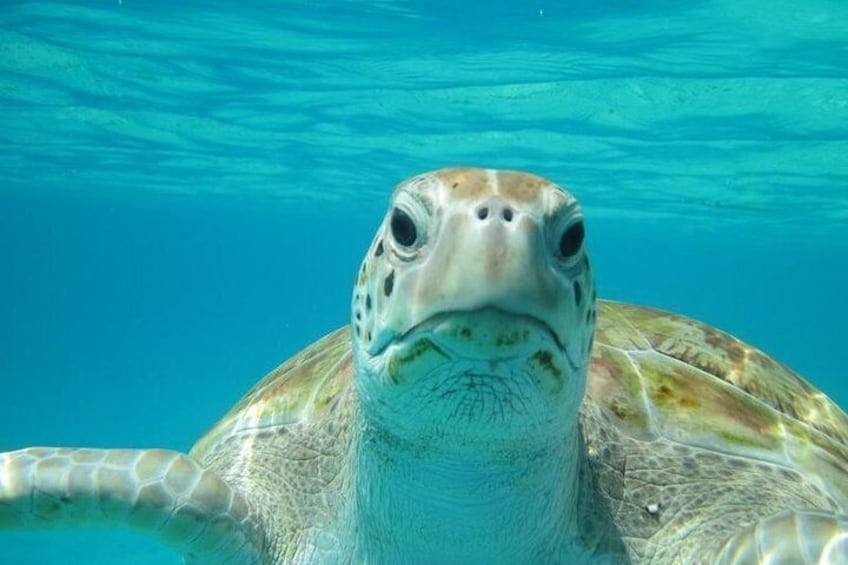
[{"x": 187, "y": 188}]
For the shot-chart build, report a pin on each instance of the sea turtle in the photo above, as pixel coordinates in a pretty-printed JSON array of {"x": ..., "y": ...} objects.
[{"x": 483, "y": 407}]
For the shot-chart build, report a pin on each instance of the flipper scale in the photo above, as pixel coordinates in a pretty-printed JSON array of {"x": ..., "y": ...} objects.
[
  {"x": 164, "y": 493},
  {"x": 796, "y": 538}
]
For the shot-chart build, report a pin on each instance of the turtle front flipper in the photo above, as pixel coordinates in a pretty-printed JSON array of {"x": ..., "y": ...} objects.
[
  {"x": 163, "y": 493},
  {"x": 790, "y": 537}
]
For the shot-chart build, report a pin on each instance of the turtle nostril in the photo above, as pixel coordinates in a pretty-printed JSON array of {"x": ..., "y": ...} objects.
[
  {"x": 507, "y": 214},
  {"x": 482, "y": 213}
]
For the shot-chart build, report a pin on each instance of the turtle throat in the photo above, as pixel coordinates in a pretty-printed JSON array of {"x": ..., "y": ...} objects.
[{"x": 440, "y": 505}]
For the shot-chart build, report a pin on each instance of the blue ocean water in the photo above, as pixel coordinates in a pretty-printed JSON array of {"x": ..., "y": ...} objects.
[{"x": 186, "y": 190}]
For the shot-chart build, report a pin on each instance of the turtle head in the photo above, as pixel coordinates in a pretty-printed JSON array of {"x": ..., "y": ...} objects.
[{"x": 473, "y": 312}]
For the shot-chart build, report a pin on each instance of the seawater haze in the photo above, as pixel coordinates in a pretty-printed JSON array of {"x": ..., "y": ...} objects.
[{"x": 187, "y": 190}]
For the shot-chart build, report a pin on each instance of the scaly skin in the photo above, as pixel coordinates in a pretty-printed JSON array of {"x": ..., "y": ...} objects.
[{"x": 153, "y": 490}]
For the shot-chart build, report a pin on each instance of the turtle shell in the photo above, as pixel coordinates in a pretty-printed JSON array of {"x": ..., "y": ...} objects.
[{"x": 658, "y": 374}]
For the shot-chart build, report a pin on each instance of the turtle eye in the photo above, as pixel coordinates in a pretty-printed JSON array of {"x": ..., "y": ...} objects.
[
  {"x": 571, "y": 240},
  {"x": 403, "y": 228}
]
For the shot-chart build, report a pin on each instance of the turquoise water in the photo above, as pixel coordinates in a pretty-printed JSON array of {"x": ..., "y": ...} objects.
[{"x": 187, "y": 190}]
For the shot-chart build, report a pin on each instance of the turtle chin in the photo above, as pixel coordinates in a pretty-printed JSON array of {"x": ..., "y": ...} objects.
[{"x": 465, "y": 378}]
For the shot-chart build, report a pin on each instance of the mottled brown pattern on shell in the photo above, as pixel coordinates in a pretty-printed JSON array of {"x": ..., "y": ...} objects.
[
  {"x": 614, "y": 383},
  {"x": 615, "y": 330},
  {"x": 699, "y": 410},
  {"x": 637, "y": 329}
]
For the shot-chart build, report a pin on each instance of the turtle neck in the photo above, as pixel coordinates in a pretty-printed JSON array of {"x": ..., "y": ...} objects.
[{"x": 414, "y": 502}]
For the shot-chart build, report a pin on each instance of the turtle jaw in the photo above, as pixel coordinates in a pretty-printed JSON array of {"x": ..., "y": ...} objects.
[
  {"x": 466, "y": 332},
  {"x": 488, "y": 333},
  {"x": 469, "y": 378}
]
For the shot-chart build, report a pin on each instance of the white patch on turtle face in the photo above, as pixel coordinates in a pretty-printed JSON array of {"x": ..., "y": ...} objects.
[{"x": 475, "y": 305}]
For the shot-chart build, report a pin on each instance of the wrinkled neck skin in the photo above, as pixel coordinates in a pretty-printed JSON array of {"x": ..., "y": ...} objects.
[{"x": 423, "y": 503}]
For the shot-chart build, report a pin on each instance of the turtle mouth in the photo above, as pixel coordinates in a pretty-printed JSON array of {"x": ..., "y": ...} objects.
[
  {"x": 436, "y": 319},
  {"x": 496, "y": 331}
]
